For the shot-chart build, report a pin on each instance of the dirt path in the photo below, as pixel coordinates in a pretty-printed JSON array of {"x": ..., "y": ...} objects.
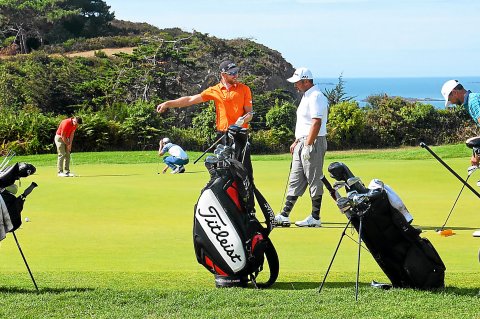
[{"x": 108, "y": 52}]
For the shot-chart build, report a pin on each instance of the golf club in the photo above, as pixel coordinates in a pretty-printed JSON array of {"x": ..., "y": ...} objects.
[
  {"x": 470, "y": 170},
  {"x": 425, "y": 146},
  {"x": 286, "y": 186},
  {"x": 208, "y": 149},
  {"x": 7, "y": 159}
]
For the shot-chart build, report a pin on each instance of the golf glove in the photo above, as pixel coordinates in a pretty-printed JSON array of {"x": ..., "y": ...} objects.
[
  {"x": 307, "y": 149},
  {"x": 240, "y": 121}
]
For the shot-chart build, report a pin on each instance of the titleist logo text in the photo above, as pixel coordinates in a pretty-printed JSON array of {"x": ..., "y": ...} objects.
[{"x": 215, "y": 222}]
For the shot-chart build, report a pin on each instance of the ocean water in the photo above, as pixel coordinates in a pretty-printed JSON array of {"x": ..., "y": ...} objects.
[{"x": 425, "y": 89}]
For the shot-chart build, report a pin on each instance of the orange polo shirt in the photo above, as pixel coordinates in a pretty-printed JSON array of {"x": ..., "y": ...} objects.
[
  {"x": 66, "y": 127},
  {"x": 228, "y": 103}
]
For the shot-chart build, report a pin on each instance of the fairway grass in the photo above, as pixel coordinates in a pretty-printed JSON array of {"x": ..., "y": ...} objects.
[{"x": 116, "y": 242}]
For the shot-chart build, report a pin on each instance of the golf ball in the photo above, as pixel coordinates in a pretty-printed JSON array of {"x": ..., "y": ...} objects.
[{"x": 27, "y": 219}]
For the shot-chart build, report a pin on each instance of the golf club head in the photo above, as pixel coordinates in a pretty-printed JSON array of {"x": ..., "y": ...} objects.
[
  {"x": 338, "y": 184},
  {"x": 353, "y": 180},
  {"x": 343, "y": 203},
  {"x": 472, "y": 169}
]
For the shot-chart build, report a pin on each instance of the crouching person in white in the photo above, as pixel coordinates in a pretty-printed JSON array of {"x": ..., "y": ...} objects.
[
  {"x": 308, "y": 150},
  {"x": 177, "y": 158}
]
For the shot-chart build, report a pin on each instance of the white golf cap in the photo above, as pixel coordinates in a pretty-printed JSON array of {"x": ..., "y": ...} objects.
[
  {"x": 166, "y": 140},
  {"x": 447, "y": 89},
  {"x": 301, "y": 74}
]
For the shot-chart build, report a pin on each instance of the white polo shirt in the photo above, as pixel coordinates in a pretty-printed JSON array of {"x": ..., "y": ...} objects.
[
  {"x": 314, "y": 105},
  {"x": 175, "y": 151}
]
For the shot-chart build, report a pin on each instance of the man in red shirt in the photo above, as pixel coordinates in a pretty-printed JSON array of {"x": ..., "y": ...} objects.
[
  {"x": 63, "y": 141},
  {"x": 233, "y": 102}
]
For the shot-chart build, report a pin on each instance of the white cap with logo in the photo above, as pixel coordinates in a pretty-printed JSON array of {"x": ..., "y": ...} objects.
[
  {"x": 301, "y": 74},
  {"x": 166, "y": 140},
  {"x": 447, "y": 89}
]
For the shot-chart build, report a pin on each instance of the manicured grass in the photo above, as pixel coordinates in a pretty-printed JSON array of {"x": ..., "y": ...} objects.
[{"x": 116, "y": 242}]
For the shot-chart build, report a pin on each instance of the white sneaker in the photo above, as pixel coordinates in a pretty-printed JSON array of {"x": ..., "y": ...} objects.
[
  {"x": 62, "y": 174},
  {"x": 309, "y": 222},
  {"x": 70, "y": 174},
  {"x": 282, "y": 221},
  {"x": 176, "y": 170}
]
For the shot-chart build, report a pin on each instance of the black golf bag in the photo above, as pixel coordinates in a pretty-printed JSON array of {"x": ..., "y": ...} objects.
[
  {"x": 408, "y": 260},
  {"x": 229, "y": 240},
  {"x": 12, "y": 206}
]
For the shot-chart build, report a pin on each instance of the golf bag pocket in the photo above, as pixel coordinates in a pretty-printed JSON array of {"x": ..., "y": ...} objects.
[
  {"x": 228, "y": 240},
  {"x": 14, "y": 206},
  {"x": 424, "y": 265}
]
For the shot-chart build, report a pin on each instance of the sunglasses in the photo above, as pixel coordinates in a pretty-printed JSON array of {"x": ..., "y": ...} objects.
[{"x": 231, "y": 73}]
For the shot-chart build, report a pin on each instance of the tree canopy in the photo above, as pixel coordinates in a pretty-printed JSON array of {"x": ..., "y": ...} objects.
[{"x": 32, "y": 23}]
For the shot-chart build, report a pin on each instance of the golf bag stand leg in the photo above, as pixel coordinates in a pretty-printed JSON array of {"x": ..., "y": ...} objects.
[
  {"x": 334, "y": 254},
  {"x": 25, "y": 260},
  {"x": 359, "y": 253}
]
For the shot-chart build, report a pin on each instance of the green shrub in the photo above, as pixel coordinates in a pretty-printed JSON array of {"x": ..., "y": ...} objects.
[
  {"x": 267, "y": 141},
  {"x": 283, "y": 115},
  {"x": 346, "y": 124}
]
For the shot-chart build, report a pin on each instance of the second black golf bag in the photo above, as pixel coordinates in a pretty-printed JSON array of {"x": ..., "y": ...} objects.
[
  {"x": 11, "y": 206},
  {"x": 408, "y": 260},
  {"x": 229, "y": 240}
]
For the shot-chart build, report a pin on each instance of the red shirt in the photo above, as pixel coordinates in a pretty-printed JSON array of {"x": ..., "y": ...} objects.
[
  {"x": 66, "y": 128},
  {"x": 228, "y": 103}
]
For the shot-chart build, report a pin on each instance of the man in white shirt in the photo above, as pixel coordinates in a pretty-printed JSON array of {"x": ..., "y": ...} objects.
[
  {"x": 308, "y": 150},
  {"x": 177, "y": 158}
]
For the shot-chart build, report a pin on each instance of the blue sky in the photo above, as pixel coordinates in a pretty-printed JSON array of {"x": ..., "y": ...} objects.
[{"x": 359, "y": 38}]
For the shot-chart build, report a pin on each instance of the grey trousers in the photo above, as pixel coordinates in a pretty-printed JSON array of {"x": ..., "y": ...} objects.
[
  {"x": 63, "y": 160},
  {"x": 307, "y": 172}
]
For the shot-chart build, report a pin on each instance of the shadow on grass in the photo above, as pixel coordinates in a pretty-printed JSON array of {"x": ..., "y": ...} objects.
[
  {"x": 435, "y": 228},
  {"x": 297, "y": 285},
  {"x": 106, "y": 175},
  {"x": 16, "y": 290}
]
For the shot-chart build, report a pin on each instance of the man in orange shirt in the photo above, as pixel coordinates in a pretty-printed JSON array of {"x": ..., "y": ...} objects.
[
  {"x": 233, "y": 102},
  {"x": 63, "y": 141}
]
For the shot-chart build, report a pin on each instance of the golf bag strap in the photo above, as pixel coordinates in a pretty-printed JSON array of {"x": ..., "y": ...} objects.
[
  {"x": 273, "y": 264},
  {"x": 266, "y": 209}
]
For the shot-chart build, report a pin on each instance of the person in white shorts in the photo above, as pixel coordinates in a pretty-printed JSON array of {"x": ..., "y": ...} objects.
[{"x": 308, "y": 150}]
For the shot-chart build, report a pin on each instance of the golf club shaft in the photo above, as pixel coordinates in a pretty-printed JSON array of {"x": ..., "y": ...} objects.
[
  {"x": 25, "y": 260},
  {"x": 451, "y": 210},
  {"x": 208, "y": 149},
  {"x": 359, "y": 254},
  {"x": 286, "y": 185},
  {"x": 425, "y": 146}
]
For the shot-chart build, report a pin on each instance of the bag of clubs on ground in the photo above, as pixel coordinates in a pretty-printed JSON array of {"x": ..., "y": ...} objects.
[
  {"x": 229, "y": 240},
  {"x": 408, "y": 260},
  {"x": 11, "y": 206}
]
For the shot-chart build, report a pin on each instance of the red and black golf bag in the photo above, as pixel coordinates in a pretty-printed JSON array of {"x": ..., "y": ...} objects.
[
  {"x": 408, "y": 260},
  {"x": 229, "y": 240}
]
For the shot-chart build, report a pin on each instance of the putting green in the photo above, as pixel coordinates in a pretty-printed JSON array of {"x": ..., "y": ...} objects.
[{"x": 128, "y": 218}]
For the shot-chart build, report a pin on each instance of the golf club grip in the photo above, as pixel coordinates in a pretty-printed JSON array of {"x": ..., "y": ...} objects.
[
  {"x": 29, "y": 190},
  {"x": 425, "y": 146}
]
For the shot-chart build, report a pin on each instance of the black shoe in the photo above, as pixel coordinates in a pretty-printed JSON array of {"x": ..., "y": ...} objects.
[{"x": 182, "y": 169}]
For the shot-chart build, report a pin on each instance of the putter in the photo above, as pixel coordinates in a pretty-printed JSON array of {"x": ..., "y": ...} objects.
[
  {"x": 425, "y": 146},
  {"x": 286, "y": 185},
  {"x": 470, "y": 170}
]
